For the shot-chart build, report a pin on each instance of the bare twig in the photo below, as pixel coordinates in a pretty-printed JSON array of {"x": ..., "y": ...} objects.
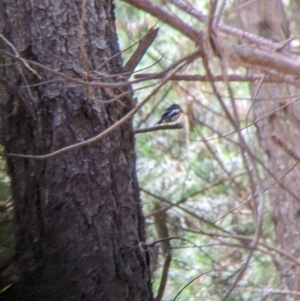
[
  {"x": 104, "y": 133},
  {"x": 185, "y": 210},
  {"x": 267, "y": 291},
  {"x": 162, "y": 15},
  {"x": 95, "y": 84},
  {"x": 115, "y": 55},
  {"x": 215, "y": 78},
  {"x": 17, "y": 55},
  {"x": 255, "y": 97},
  {"x": 233, "y": 118},
  {"x": 286, "y": 148},
  {"x": 190, "y": 282},
  {"x": 244, "y": 238},
  {"x": 159, "y": 128},
  {"x": 250, "y": 199},
  {"x": 154, "y": 106},
  {"x": 251, "y": 57},
  {"x": 235, "y": 32}
]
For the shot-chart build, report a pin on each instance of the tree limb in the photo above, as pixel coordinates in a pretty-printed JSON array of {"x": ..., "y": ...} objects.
[{"x": 138, "y": 54}]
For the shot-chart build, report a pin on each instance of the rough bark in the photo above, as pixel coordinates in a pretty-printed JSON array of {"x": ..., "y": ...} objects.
[
  {"x": 268, "y": 19},
  {"x": 78, "y": 215}
]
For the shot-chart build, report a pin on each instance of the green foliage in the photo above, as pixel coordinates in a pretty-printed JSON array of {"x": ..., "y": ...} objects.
[{"x": 198, "y": 173}]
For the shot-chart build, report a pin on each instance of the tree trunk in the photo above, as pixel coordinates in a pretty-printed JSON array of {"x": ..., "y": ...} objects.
[
  {"x": 268, "y": 19},
  {"x": 78, "y": 215}
]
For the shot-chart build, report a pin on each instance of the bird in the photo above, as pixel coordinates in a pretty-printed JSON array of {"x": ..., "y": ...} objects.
[{"x": 172, "y": 113}]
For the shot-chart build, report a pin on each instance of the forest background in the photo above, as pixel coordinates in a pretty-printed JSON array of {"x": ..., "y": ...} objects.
[{"x": 222, "y": 186}]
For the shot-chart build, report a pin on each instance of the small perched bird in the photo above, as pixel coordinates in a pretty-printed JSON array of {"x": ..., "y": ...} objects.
[{"x": 172, "y": 113}]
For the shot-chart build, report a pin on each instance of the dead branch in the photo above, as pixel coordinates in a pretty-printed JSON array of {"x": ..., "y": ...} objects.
[
  {"x": 138, "y": 54},
  {"x": 250, "y": 57}
]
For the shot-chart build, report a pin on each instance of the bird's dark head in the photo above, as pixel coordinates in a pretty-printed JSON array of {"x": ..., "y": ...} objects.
[{"x": 176, "y": 106}]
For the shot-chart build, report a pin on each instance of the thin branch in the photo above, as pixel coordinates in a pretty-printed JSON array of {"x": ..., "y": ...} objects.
[
  {"x": 188, "y": 58},
  {"x": 250, "y": 199},
  {"x": 198, "y": 192},
  {"x": 115, "y": 55},
  {"x": 218, "y": 18},
  {"x": 190, "y": 282},
  {"x": 164, "y": 278},
  {"x": 258, "y": 159},
  {"x": 286, "y": 148},
  {"x": 254, "y": 121},
  {"x": 155, "y": 105},
  {"x": 167, "y": 18},
  {"x": 232, "y": 31},
  {"x": 233, "y": 118},
  {"x": 138, "y": 54},
  {"x": 17, "y": 55},
  {"x": 94, "y": 84},
  {"x": 249, "y": 239},
  {"x": 254, "y": 98},
  {"x": 267, "y": 291},
  {"x": 211, "y": 15},
  {"x": 249, "y": 56},
  {"x": 159, "y": 128},
  {"x": 233, "y": 209},
  {"x": 215, "y": 78},
  {"x": 105, "y": 133},
  {"x": 185, "y": 210}
]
